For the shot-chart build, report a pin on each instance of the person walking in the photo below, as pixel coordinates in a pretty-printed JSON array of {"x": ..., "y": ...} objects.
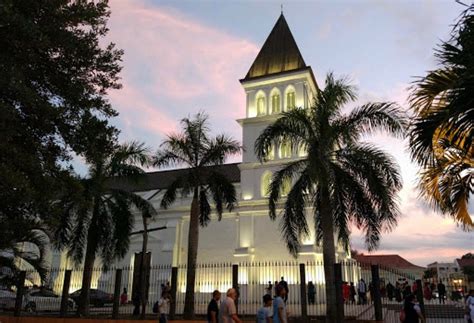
[
  {"x": 390, "y": 291},
  {"x": 441, "y": 292},
  {"x": 285, "y": 286},
  {"x": 280, "y": 314},
  {"x": 136, "y": 300},
  {"x": 164, "y": 307},
  {"x": 346, "y": 291},
  {"x": 124, "y": 297},
  {"x": 398, "y": 292},
  {"x": 311, "y": 293},
  {"x": 362, "y": 292},
  {"x": 269, "y": 289},
  {"x": 470, "y": 306},
  {"x": 213, "y": 307},
  {"x": 352, "y": 293},
  {"x": 412, "y": 310},
  {"x": 228, "y": 311},
  {"x": 265, "y": 313},
  {"x": 427, "y": 292}
]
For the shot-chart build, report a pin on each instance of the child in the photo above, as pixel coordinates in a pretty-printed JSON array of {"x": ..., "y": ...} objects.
[
  {"x": 265, "y": 313},
  {"x": 164, "y": 307}
]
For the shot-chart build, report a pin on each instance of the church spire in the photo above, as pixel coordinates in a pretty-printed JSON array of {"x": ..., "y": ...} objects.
[{"x": 278, "y": 54}]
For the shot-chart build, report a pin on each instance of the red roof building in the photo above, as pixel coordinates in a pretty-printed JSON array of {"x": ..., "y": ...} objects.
[{"x": 393, "y": 262}]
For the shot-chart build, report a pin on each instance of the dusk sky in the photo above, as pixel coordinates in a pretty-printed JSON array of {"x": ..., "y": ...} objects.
[{"x": 185, "y": 56}]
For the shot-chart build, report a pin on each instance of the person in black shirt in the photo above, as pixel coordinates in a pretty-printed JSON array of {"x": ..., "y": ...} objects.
[
  {"x": 441, "y": 292},
  {"x": 412, "y": 310},
  {"x": 213, "y": 307}
]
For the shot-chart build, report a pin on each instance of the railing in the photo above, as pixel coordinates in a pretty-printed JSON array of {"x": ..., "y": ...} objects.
[{"x": 383, "y": 298}]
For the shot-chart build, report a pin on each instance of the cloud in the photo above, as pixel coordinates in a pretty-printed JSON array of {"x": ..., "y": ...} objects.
[
  {"x": 422, "y": 235},
  {"x": 175, "y": 66}
]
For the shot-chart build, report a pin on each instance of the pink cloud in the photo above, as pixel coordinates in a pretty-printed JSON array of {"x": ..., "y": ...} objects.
[{"x": 172, "y": 64}]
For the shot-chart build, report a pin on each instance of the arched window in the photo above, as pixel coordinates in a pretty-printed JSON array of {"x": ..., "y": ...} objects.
[
  {"x": 265, "y": 184},
  {"x": 276, "y": 104},
  {"x": 290, "y": 98},
  {"x": 261, "y": 105},
  {"x": 285, "y": 149},
  {"x": 285, "y": 187},
  {"x": 302, "y": 151},
  {"x": 271, "y": 153}
]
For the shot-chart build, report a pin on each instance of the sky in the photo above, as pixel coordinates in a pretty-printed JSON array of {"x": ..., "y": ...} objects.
[{"x": 182, "y": 57}]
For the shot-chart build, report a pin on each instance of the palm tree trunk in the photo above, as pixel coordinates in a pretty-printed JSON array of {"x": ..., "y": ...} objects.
[
  {"x": 144, "y": 269},
  {"x": 83, "y": 307},
  {"x": 329, "y": 257},
  {"x": 193, "y": 239}
]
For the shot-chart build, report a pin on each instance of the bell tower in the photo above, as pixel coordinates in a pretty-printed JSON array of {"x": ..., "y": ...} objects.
[{"x": 277, "y": 81}]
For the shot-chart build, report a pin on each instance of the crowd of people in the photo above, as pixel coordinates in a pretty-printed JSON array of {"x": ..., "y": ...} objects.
[
  {"x": 364, "y": 293},
  {"x": 273, "y": 308}
]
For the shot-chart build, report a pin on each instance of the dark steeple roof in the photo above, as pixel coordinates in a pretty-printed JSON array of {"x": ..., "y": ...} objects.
[{"x": 278, "y": 54}]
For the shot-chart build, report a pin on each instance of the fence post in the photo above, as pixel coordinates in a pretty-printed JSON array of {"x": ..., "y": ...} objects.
[
  {"x": 419, "y": 296},
  {"x": 376, "y": 291},
  {"x": 304, "y": 303},
  {"x": 19, "y": 292},
  {"x": 174, "y": 289},
  {"x": 118, "y": 283},
  {"x": 65, "y": 293},
  {"x": 339, "y": 297},
  {"x": 235, "y": 283}
]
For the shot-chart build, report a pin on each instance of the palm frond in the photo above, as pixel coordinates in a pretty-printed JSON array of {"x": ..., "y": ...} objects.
[
  {"x": 293, "y": 126},
  {"x": 170, "y": 195},
  {"x": 336, "y": 93},
  {"x": 223, "y": 192},
  {"x": 219, "y": 149},
  {"x": 204, "y": 208},
  {"x": 293, "y": 223},
  {"x": 371, "y": 117},
  {"x": 131, "y": 153},
  {"x": 285, "y": 174},
  {"x": 176, "y": 150}
]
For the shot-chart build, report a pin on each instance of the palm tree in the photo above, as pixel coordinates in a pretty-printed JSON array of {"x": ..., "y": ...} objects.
[
  {"x": 443, "y": 128},
  {"x": 23, "y": 246},
  {"x": 343, "y": 180},
  {"x": 98, "y": 218},
  {"x": 195, "y": 149}
]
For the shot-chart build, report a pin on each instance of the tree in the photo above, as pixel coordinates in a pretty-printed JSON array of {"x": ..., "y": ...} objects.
[
  {"x": 53, "y": 78},
  {"x": 98, "y": 218},
  {"x": 24, "y": 244},
  {"x": 343, "y": 180},
  {"x": 198, "y": 152},
  {"x": 442, "y": 131}
]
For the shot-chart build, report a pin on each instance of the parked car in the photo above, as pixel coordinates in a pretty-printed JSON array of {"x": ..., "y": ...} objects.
[
  {"x": 97, "y": 298},
  {"x": 7, "y": 299},
  {"x": 37, "y": 300}
]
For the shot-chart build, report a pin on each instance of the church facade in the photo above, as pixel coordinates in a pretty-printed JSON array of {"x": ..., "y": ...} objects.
[{"x": 277, "y": 81}]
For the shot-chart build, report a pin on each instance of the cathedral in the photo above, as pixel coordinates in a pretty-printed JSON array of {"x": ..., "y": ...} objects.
[{"x": 277, "y": 81}]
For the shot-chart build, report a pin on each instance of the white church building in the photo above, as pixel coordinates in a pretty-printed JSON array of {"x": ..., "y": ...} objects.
[{"x": 277, "y": 81}]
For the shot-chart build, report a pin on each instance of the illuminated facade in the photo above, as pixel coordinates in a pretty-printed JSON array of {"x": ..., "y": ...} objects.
[{"x": 278, "y": 80}]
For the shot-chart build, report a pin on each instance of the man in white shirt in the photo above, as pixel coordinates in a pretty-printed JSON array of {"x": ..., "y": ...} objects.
[{"x": 228, "y": 310}]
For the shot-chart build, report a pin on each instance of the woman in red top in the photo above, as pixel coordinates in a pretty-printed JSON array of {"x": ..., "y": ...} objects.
[
  {"x": 346, "y": 291},
  {"x": 123, "y": 297}
]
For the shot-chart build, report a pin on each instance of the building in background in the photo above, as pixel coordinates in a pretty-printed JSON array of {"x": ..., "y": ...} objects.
[
  {"x": 392, "y": 264},
  {"x": 444, "y": 271}
]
